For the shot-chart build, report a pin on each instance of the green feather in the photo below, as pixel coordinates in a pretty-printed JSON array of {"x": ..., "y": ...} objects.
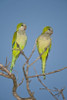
[
  {"x": 14, "y": 39},
  {"x": 44, "y": 58},
  {"x": 13, "y": 63},
  {"x": 19, "y": 25},
  {"x": 45, "y": 29},
  {"x": 44, "y": 45},
  {"x": 19, "y": 38}
]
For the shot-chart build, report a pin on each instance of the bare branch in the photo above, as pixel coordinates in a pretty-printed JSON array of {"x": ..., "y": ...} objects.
[
  {"x": 60, "y": 92},
  {"x": 39, "y": 55},
  {"x": 34, "y": 61},
  {"x": 19, "y": 49},
  {"x": 45, "y": 86},
  {"x": 62, "y": 95},
  {"x": 5, "y": 69},
  {"x": 27, "y": 80},
  {"x": 2, "y": 74},
  {"x": 15, "y": 86},
  {"x": 33, "y": 50},
  {"x": 23, "y": 54},
  {"x": 20, "y": 82},
  {"x": 6, "y": 61},
  {"x": 26, "y": 71},
  {"x": 48, "y": 73}
]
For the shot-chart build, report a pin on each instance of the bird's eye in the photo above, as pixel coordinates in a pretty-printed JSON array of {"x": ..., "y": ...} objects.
[
  {"x": 49, "y": 29},
  {"x": 21, "y": 25}
]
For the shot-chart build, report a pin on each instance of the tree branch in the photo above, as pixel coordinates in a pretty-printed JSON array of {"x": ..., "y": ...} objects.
[
  {"x": 5, "y": 72},
  {"x": 15, "y": 85},
  {"x": 48, "y": 73},
  {"x": 27, "y": 80}
]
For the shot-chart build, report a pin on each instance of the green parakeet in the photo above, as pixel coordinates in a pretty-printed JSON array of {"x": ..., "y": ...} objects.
[
  {"x": 19, "y": 38},
  {"x": 44, "y": 44}
]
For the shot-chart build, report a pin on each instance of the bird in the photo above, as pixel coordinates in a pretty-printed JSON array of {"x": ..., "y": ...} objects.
[
  {"x": 43, "y": 44},
  {"x": 19, "y": 41}
]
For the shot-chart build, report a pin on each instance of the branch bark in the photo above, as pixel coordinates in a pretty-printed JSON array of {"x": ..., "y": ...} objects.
[
  {"x": 6, "y": 73},
  {"x": 48, "y": 73},
  {"x": 15, "y": 85}
]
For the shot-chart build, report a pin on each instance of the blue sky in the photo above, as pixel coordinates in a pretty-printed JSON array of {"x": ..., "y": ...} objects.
[{"x": 36, "y": 14}]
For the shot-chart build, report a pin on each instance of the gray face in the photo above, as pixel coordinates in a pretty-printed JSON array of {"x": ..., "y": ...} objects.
[
  {"x": 49, "y": 32},
  {"x": 22, "y": 28}
]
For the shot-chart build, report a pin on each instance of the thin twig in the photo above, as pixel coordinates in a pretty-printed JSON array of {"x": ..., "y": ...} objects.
[
  {"x": 19, "y": 49},
  {"x": 15, "y": 86},
  {"x": 47, "y": 73},
  {"x": 7, "y": 65},
  {"x": 62, "y": 95},
  {"x": 45, "y": 86},
  {"x": 6, "y": 62},
  {"x": 32, "y": 50},
  {"x": 34, "y": 61},
  {"x": 39, "y": 55},
  {"x": 21, "y": 52},
  {"x": 60, "y": 92},
  {"x": 5, "y": 69},
  {"x": 20, "y": 82},
  {"x": 2, "y": 74},
  {"x": 27, "y": 80}
]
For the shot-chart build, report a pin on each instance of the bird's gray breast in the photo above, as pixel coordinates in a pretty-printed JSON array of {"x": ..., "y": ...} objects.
[{"x": 21, "y": 38}]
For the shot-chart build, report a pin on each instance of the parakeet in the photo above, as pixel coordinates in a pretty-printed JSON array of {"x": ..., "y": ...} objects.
[
  {"x": 44, "y": 44},
  {"x": 19, "y": 40}
]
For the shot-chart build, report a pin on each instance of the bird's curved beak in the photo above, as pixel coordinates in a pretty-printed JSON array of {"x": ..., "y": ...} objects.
[
  {"x": 51, "y": 32},
  {"x": 25, "y": 27}
]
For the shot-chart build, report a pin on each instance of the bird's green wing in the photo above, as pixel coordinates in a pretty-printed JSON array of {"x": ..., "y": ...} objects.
[
  {"x": 44, "y": 58},
  {"x": 48, "y": 50},
  {"x": 14, "y": 39}
]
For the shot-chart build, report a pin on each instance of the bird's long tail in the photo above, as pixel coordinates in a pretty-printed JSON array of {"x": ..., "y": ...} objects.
[
  {"x": 12, "y": 63},
  {"x": 43, "y": 66}
]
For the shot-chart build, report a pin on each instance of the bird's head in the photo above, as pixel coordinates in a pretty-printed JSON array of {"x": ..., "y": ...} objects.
[
  {"x": 47, "y": 30},
  {"x": 21, "y": 26}
]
